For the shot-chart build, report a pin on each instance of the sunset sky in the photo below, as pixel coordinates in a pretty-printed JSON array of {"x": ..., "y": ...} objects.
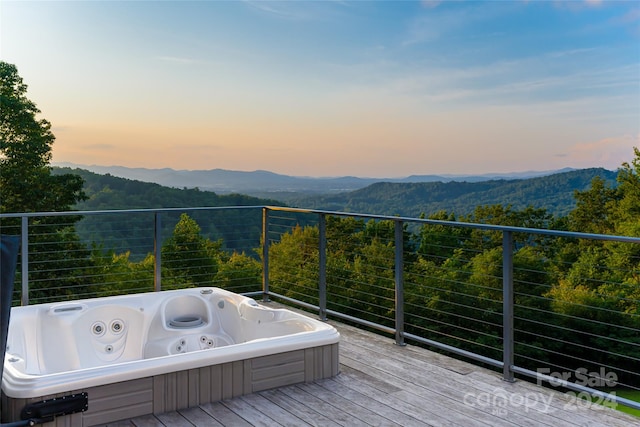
[{"x": 331, "y": 88}]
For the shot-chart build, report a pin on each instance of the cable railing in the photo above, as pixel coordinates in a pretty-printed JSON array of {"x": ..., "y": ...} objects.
[
  {"x": 137, "y": 250},
  {"x": 552, "y": 306},
  {"x": 556, "y": 307}
]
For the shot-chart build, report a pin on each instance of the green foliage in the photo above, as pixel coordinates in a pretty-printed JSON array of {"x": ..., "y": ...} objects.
[
  {"x": 25, "y": 151},
  {"x": 438, "y": 242},
  {"x": 58, "y": 263},
  {"x": 293, "y": 263},
  {"x": 627, "y": 209},
  {"x": 239, "y": 273},
  {"x": 118, "y": 275},
  {"x": 187, "y": 257},
  {"x": 594, "y": 208},
  {"x": 571, "y": 295},
  {"x": 27, "y": 185},
  {"x": 106, "y": 192},
  {"x": 554, "y": 193}
]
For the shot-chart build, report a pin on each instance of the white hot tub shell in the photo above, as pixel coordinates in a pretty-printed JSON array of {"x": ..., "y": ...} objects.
[{"x": 158, "y": 352}]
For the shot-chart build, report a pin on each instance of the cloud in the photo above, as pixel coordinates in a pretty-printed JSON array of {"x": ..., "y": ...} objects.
[
  {"x": 435, "y": 25},
  {"x": 431, "y": 4},
  {"x": 272, "y": 9},
  {"x": 198, "y": 148},
  {"x": 579, "y": 5},
  {"x": 630, "y": 20},
  {"x": 608, "y": 152},
  {"x": 100, "y": 147},
  {"x": 298, "y": 10},
  {"x": 569, "y": 52},
  {"x": 176, "y": 59},
  {"x": 549, "y": 77},
  {"x": 630, "y": 17}
]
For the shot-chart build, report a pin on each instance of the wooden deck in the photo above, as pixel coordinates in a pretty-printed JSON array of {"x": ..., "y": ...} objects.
[{"x": 381, "y": 384}]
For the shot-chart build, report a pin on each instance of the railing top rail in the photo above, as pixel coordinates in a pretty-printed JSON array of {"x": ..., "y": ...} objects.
[
  {"x": 478, "y": 226},
  {"x": 491, "y": 227},
  {"x": 122, "y": 211}
]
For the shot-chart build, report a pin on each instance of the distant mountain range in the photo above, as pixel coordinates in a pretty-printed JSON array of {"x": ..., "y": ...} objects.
[
  {"x": 555, "y": 193},
  {"x": 268, "y": 184},
  {"x": 410, "y": 196}
]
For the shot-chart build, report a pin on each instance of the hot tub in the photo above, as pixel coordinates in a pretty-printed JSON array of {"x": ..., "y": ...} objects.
[{"x": 158, "y": 352}]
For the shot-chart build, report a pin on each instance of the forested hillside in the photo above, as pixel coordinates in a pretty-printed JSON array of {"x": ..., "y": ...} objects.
[
  {"x": 555, "y": 193},
  {"x": 110, "y": 192},
  {"x": 106, "y": 192}
]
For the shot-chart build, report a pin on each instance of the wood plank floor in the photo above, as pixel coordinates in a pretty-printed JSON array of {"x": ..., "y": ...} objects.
[{"x": 381, "y": 384}]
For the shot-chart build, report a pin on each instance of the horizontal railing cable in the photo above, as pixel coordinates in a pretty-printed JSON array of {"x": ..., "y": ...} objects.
[{"x": 569, "y": 310}]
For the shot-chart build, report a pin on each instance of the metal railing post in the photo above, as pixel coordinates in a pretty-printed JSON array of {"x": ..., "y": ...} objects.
[
  {"x": 507, "y": 306},
  {"x": 322, "y": 265},
  {"x": 24, "y": 231},
  {"x": 399, "y": 282},
  {"x": 265, "y": 254},
  {"x": 157, "y": 253}
]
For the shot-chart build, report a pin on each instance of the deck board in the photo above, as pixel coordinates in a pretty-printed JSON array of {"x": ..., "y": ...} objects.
[
  {"x": 382, "y": 384},
  {"x": 199, "y": 418},
  {"x": 299, "y": 412},
  {"x": 174, "y": 419},
  {"x": 274, "y": 412},
  {"x": 224, "y": 415},
  {"x": 341, "y": 417}
]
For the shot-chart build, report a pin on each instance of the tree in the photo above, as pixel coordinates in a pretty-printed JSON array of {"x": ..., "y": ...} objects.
[
  {"x": 240, "y": 273},
  {"x": 594, "y": 208},
  {"x": 187, "y": 257},
  {"x": 438, "y": 242},
  {"x": 26, "y": 182},
  {"x": 293, "y": 264},
  {"x": 27, "y": 185},
  {"x": 627, "y": 212}
]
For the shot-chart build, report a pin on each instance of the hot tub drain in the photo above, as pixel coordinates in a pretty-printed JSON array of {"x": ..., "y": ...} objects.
[{"x": 190, "y": 321}]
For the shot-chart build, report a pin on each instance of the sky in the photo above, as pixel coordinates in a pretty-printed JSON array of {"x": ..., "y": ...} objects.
[{"x": 333, "y": 88}]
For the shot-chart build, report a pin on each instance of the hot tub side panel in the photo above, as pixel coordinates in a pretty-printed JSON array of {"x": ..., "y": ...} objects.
[{"x": 193, "y": 387}]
